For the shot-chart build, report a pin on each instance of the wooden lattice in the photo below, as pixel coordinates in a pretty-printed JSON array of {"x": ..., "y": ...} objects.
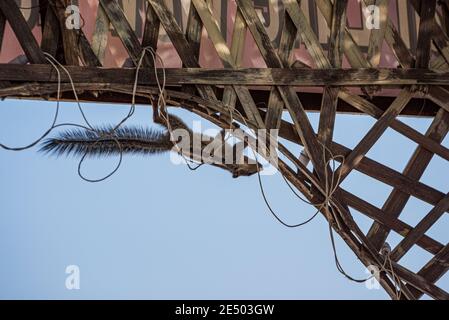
[{"x": 211, "y": 93}]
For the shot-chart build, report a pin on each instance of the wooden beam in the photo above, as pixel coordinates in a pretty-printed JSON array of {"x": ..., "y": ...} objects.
[
  {"x": 434, "y": 269},
  {"x": 23, "y": 33},
  {"x": 242, "y": 77},
  {"x": 371, "y": 109},
  {"x": 330, "y": 95},
  {"x": 374, "y": 134},
  {"x": 275, "y": 103},
  {"x": 182, "y": 46},
  {"x": 124, "y": 31},
  {"x": 51, "y": 32},
  {"x": 430, "y": 245},
  {"x": 427, "y": 14},
  {"x": 414, "y": 170},
  {"x": 193, "y": 35},
  {"x": 151, "y": 29},
  {"x": 213, "y": 30},
  {"x": 420, "y": 229},
  {"x": 101, "y": 34},
  {"x": 377, "y": 36}
]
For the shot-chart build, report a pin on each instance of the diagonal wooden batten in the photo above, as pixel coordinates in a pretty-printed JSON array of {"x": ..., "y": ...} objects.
[
  {"x": 286, "y": 45},
  {"x": 224, "y": 53},
  {"x": 124, "y": 31},
  {"x": 427, "y": 14},
  {"x": 352, "y": 51},
  {"x": 237, "y": 49},
  {"x": 330, "y": 95},
  {"x": 440, "y": 39},
  {"x": 151, "y": 29},
  {"x": 420, "y": 229},
  {"x": 51, "y": 32},
  {"x": 397, "y": 125},
  {"x": 2, "y": 28},
  {"x": 101, "y": 34},
  {"x": 193, "y": 34},
  {"x": 182, "y": 46},
  {"x": 430, "y": 245},
  {"x": 374, "y": 134},
  {"x": 288, "y": 95},
  {"x": 414, "y": 170},
  {"x": 377, "y": 35},
  {"x": 434, "y": 269},
  {"x": 23, "y": 33}
]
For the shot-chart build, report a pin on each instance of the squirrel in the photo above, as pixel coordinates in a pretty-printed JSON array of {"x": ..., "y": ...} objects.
[{"x": 106, "y": 141}]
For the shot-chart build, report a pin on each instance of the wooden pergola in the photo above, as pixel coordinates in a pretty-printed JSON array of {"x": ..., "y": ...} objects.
[{"x": 262, "y": 95}]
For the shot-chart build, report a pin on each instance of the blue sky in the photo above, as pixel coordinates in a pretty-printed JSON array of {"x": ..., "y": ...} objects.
[{"x": 159, "y": 231}]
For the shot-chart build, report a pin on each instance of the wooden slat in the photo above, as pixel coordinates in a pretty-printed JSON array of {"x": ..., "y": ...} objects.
[
  {"x": 374, "y": 134},
  {"x": 124, "y": 31},
  {"x": 224, "y": 53},
  {"x": 101, "y": 34},
  {"x": 409, "y": 132},
  {"x": 237, "y": 49},
  {"x": 23, "y": 33},
  {"x": 69, "y": 36},
  {"x": 414, "y": 170},
  {"x": 193, "y": 36},
  {"x": 353, "y": 53},
  {"x": 430, "y": 245},
  {"x": 434, "y": 269},
  {"x": 275, "y": 103},
  {"x": 440, "y": 39},
  {"x": 291, "y": 100},
  {"x": 377, "y": 36},
  {"x": 420, "y": 229},
  {"x": 51, "y": 32},
  {"x": 337, "y": 35},
  {"x": 182, "y": 46},
  {"x": 151, "y": 29},
  {"x": 330, "y": 95},
  {"x": 427, "y": 14},
  {"x": 2, "y": 29}
]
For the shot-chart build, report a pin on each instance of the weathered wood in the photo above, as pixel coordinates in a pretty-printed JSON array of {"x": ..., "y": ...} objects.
[
  {"x": 427, "y": 14},
  {"x": 237, "y": 49},
  {"x": 374, "y": 134},
  {"x": 414, "y": 135},
  {"x": 70, "y": 39},
  {"x": 151, "y": 29},
  {"x": 2, "y": 29},
  {"x": 100, "y": 35},
  {"x": 440, "y": 39},
  {"x": 23, "y": 33},
  {"x": 377, "y": 35},
  {"x": 434, "y": 269},
  {"x": 213, "y": 30},
  {"x": 414, "y": 170},
  {"x": 182, "y": 46},
  {"x": 260, "y": 95},
  {"x": 51, "y": 32},
  {"x": 403, "y": 229},
  {"x": 330, "y": 94},
  {"x": 242, "y": 76},
  {"x": 420, "y": 229},
  {"x": 275, "y": 103},
  {"x": 124, "y": 31}
]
